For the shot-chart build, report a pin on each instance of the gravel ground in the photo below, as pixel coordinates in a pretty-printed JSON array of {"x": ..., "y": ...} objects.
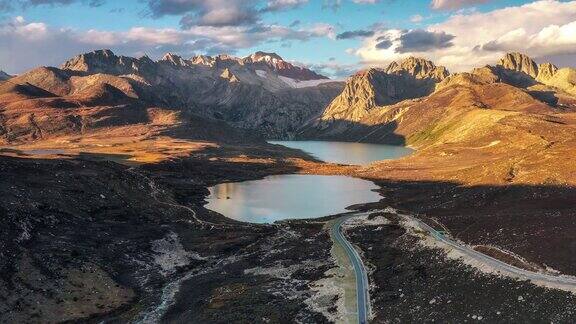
[{"x": 411, "y": 283}]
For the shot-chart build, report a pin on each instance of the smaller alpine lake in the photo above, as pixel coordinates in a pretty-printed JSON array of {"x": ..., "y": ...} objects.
[
  {"x": 348, "y": 153},
  {"x": 289, "y": 197},
  {"x": 295, "y": 196}
]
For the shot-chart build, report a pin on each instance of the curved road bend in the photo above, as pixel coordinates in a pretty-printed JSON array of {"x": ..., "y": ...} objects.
[
  {"x": 568, "y": 282},
  {"x": 362, "y": 286}
]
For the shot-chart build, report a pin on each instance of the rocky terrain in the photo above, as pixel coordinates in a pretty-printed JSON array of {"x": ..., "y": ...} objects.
[
  {"x": 372, "y": 88},
  {"x": 413, "y": 282},
  {"x": 366, "y": 111},
  {"x": 105, "y": 163},
  {"x": 261, "y": 92},
  {"x": 94, "y": 240},
  {"x": 495, "y": 160}
]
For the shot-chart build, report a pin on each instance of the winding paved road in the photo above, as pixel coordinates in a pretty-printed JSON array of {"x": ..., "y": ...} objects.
[
  {"x": 558, "y": 281},
  {"x": 362, "y": 286}
]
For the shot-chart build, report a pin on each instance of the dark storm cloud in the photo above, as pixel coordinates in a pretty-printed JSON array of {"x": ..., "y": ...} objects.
[
  {"x": 355, "y": 34},
  {"x": 9, "y": 5},
  {"x": 384, "y": 44},
  {"x": 419, "y": 40},
  {"x": 219, "y": 13},
  {"x": 215, "y": 13},
  {"x": 281, "y": 5}
]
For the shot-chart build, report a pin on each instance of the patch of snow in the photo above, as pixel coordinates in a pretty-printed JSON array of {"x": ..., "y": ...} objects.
[
  {"x": 304, "y": 84},
  {"x": 262, "y": 73}
]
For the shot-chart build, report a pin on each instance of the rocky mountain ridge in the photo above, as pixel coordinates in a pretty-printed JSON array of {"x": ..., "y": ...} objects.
[
  {"x": 250, "y": 93},
  {"x": 374, "y": 108},
  {"x": 105, "y": 61},
  {"x": 546, "y": 82},
  {"x": 246, "y": 93},
  {"x": 522, "y": 63},
  {"x": 366, "y": 90}
]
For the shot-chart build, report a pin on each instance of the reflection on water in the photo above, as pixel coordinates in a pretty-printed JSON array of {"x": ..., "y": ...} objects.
[
  {"x": 348, "y": 153},
  {"x": 289, "y": 197}
]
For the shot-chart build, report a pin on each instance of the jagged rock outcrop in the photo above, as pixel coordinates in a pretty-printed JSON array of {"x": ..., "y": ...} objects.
[
  {"x": 366, "y": 90},
  {"x": 546, "y": 71},
  {"x": 227, "y": 75},
  {"x": 105, "y": 61},
  {"x": 418, "y": 68},
  {"x": 564, "y": 79},
  {"x": 520, "y": 70},
  {"x": 519, "y": 62},
  {"x": 282, "y": 67},
  {"x": 522, "y": 63},
  {"x": 544, "y": 81},
  {"x": 174, "y": 60}
]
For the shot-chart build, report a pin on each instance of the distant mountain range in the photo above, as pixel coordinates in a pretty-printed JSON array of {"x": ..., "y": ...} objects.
[
  {"x": 411, "y": 102},
  {"x": 261, "y": 93}
]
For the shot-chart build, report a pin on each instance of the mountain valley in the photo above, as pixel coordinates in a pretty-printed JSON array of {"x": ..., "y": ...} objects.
[{"x": 106, "y": 162}]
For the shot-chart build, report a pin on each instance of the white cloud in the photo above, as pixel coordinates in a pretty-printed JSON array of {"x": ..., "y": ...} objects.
[
  {"x": 25, "y": 44},
  {"x": 551, "y": 40},
  {"x": 275, "y": 5},
  {"x": 541, "y": 28},
  {"x": 333, "y": 69},
  {"x": 416, "y": 18},
  {"x": 454, "y": 4}
]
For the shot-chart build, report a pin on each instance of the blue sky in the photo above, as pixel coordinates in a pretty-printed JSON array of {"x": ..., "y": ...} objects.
[{"x": 304, "y": 31}]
